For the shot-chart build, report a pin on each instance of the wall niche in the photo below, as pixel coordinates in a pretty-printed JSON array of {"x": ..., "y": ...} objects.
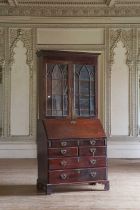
[
  {"x": 20, "y": 96},
  {"x": 120, "y": 92}
]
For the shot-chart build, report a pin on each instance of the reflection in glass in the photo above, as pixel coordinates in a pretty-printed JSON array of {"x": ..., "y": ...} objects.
[
  {"x": 57, "y": 99},
  {"x": 84, "y": 85}
]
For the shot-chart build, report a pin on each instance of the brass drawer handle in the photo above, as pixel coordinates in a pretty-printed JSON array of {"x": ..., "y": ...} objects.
[
  {"x": 92, "y": 142},
  {"x": 63, "y": 163},
  {"x": 93, "y": 174},
  {"x": 63, "y": 151},
  {"x": 92, "y": 150},
  {"x": 63, "y": 176},
  {"x": 93, "y": 162},
  {"x": 63, "y": 143}
]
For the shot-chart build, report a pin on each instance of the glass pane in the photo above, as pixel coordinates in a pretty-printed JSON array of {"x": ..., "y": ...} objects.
[
  {"x": 84, "y": 102},
  {"x": 84, "y": 90},
  {"x": 84, "y": 112},
  {"x": 84, "y": 75},
  {"x": 84, "y": 87},
  {"x": 1, "y": 100},
  {"x": 92, "y": 105},
  {"x": 92, "y": 88},
  {"x": 57, "y": 99}
]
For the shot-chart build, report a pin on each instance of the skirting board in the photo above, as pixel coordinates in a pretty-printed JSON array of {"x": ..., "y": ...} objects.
[
  {"x": 118, "y": 147},
  {"x": 123, "y": 147},
  {"x": 18, "y": 150}
]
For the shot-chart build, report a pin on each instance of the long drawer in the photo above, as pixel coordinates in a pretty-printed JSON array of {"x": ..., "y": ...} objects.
[
  {"x": 76, "y": 162},
  {"x": 57, "y": 143},
  {"x": 76, "y": 175},
  {"x": 63, "y": 152}
]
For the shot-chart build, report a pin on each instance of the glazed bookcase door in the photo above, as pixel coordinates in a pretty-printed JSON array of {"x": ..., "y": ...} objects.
[
  {"x": 70, "y": 84},
  {"x": 84, "y": 91},
  {"x": 57, "y": 90}
]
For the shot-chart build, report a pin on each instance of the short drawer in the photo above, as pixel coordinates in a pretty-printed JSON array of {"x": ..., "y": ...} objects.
[
  {"x": 63, "y": 143},
  {"x": 92, "y": 151},
  {"x": 77, "y": 175},
  {"x": 76, "y": 162},
  {"x": 92, "y": 142},
  {"x": 63, "y": 152}
]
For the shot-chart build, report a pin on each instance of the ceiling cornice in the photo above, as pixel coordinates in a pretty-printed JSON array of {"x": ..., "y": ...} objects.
[
  {"x": 96, "y": 3},
  {"x": 70, "y": 11}
]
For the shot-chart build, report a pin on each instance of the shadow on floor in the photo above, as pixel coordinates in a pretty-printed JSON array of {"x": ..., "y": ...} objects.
[{"x": 31, "y": 190}]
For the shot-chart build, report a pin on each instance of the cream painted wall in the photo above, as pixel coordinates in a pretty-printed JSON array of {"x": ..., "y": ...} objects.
[
  {"x": 70, "y": 36},
  {"x": 119, "y": 92},
  {"x": 19, "y": 92}
]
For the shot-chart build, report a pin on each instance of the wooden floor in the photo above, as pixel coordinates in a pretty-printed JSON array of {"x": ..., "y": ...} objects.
[{"x": 18, "y": 189}]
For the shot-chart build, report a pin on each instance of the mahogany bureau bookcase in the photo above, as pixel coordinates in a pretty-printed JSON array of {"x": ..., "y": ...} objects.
[{"x": 71, "y": 142}]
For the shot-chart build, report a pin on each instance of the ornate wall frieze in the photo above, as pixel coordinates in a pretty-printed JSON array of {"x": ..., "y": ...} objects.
[
  {"x": 26, "y": 36},
  {"x": 71, "y": 11}
]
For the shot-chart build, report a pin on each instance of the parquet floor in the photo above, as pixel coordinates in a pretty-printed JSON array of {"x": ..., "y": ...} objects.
[{"x": 18, "y": 190}]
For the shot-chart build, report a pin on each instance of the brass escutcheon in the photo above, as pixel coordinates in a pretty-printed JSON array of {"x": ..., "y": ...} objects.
[
  {"x": 63, "y": 143},
  {"x": 63, "y": 163},
  {"x": 93, "y": 162},
  {"x": 92, "y": 142},
  {"x": 63, "y": 151},
  {"x": 63, "y": 176},
  {"x": 92, "y": 150},
  {"x": 93, "y": 174}
]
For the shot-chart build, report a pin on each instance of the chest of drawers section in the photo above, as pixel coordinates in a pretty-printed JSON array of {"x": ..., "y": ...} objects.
[{"x": 77, "y": 160}]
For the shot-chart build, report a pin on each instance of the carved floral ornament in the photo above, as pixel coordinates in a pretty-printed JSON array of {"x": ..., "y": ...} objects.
[
  {"x": 126, "y": 37},
  {"x": 24, "y": 35}
]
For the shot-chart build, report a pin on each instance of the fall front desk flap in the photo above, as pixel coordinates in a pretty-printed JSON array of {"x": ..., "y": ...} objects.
[{"x": 81, "y": 128}]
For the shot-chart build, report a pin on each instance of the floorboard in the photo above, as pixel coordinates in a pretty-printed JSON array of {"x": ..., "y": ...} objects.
[{"x": 18, "y": 189}]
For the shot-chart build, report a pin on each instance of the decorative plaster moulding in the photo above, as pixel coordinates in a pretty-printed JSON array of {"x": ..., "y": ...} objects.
[{"x": 70, "y": 11}]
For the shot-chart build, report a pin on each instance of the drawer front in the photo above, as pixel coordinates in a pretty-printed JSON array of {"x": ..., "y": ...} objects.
[
  {"x": 63, "y": 152},
  {"x": 92, "y": 151},
  {"x": 82, "y": 162},
  {"x": 77, "y": 175},
  {"x": 63, "y": 143},
  {"x": 92, "y": 142}
]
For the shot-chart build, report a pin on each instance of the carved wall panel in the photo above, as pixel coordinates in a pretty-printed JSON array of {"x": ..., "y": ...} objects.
[
  {"x": 2, "y": 62},
  {"x": 128, "y": 38},
  {"x": 138, "y": 80},
  {"x": 21, "y": 62},
  {"x": 120, "y": 92}
]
